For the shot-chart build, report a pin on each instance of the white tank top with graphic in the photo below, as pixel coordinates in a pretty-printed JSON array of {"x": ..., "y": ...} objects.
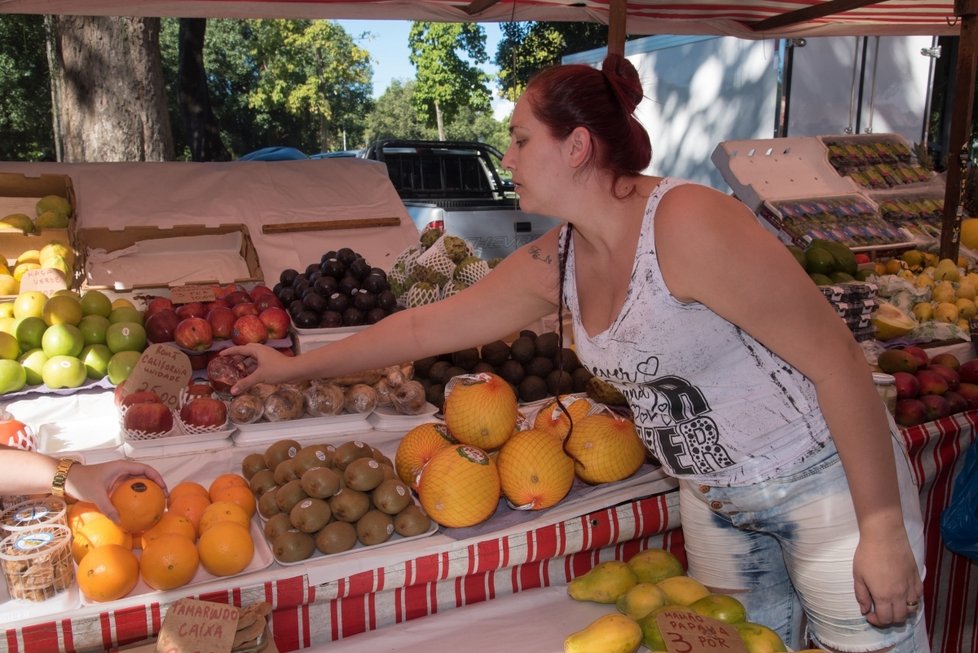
[{"x": 712, "y": 404}]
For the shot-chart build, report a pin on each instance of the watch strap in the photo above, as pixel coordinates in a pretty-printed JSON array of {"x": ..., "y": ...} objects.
[{"x": 61, "y": 477}]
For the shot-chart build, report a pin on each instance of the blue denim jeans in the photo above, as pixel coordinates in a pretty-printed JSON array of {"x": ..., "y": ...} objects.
[{"x": 785, "y": 548}]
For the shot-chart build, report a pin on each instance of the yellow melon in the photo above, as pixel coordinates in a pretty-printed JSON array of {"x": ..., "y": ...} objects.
[
  {"x": 417, "y": 447},
  {"x": 534, "y": 471},
  {"x": 481, "y": 410},
  {"x": 459, "y": 486},
  {"x": 605, "y": 448}
]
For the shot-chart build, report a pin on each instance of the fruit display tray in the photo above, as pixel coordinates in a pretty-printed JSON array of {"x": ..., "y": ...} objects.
[
  {"x": 303, "y": 427},
  {"x": 385, "y": 418},
  {"x": 358, "y": 547}
]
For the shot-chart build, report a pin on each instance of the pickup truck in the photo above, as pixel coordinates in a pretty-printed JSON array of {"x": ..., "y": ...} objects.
[{"x": 457, "y": 186}]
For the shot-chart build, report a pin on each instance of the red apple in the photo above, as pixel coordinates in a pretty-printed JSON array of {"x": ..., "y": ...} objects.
[
  {"x": 161, "y": 325},
  {"x": 244, "y": 308},
  {"x": 923, "y": 358},
  {"x": 192, "y": 309},
  {"x": 222, "y": 292},
  {"x": 910, "y": 412},
  {"x": 198, "y": 361},
  {"x": 204, "y": 412},
  {"x": 221, "y": 319},
  {"x": 152, "y": 417},
  {"x": 120, "y": 393},
  {"x": 907, "y": 385},
  {"x": 968, "y": 372},
  {"x": 140, "y": 397},
  {"x": 277, "y": 321},
  {"x": 157, "y": 304},
  {"x": 248, "y": 328},
  {"x": 194, "y": 333},
  {"x": 952, "y": 377},
  {"x": 970, "y": 393},
  {"x": 931, "y": 383},
  {"x": 237, "y": 297},
  {"x": 260, "y": 290},
  {"x": 268, "y": 300}
]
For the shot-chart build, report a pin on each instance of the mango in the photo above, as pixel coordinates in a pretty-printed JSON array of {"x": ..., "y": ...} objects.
[{"x": 897, "y": 360}]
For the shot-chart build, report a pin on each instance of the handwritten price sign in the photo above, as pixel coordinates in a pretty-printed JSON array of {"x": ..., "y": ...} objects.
[
  {"x": 687, "y": 632},
  {"x": 191, "y": 293},
  {"x": 163, "y": 369}
]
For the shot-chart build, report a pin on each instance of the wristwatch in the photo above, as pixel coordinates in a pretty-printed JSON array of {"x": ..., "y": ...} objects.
[{"x": 61, "y": 477}]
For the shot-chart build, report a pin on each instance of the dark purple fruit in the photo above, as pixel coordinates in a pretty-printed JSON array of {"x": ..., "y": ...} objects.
[
  {"x": 364, "y": 300},
  {"x": 375, "y": 314},
  {"x": 353, "y": 317},
  {"x": 338, "y": 302},
  {"x": 307, "y": 320},
  {"x": 331, "y": 320},
  {"x": 287, "y": 276}
]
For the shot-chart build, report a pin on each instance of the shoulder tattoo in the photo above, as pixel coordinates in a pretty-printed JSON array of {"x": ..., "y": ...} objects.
[{"x": 537, "y": 254}]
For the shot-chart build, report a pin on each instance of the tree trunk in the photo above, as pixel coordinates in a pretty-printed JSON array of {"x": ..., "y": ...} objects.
[
  {"x": 195, "y": 105},
  {"x": 440, "y": 120},
  {"x": 110, "y": 82}
]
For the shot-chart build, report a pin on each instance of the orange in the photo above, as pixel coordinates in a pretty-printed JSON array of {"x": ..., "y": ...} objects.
[
  {"x": 169, "y": 561},
  {"x": 225, "y": 480},
  {"x": 551, "y": 417},
  {"x": 91, "y": 529},
  {"x": 459, "y": 486},
  {"x": 243, "y": 496},
  {"x": 184, "y": 488},
  {"x": 108, "y": 572},
  {"x": 417, "y": 447},
  {"x": 223, "y": 511},
  {"x": 140, "y": 503},
  {"x": 534, "y": 471},
  {"x": 605, "y": 448},
  {"x": 481, "y": 410},
  {"x": 171, "y": 523},
  {"x": 226, "y": 548},
  {"x": 192, "y": 507}
]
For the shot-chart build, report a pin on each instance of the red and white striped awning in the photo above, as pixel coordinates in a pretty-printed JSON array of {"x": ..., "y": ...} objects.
[{"x": 746, "y": 18}]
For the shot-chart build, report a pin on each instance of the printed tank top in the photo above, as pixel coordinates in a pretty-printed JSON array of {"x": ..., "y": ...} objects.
[{"x": 711, "y": 403}]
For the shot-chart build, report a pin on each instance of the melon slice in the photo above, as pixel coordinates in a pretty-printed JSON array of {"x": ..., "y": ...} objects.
[{"x": 890, "y": 322}]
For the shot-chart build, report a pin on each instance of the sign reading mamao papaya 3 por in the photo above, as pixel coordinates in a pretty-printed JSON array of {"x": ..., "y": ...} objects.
[{"x": 684, "y": 631}]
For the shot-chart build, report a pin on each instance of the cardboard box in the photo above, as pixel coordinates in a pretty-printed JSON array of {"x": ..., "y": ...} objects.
[
  {"x": 178, "y": 243},
  {"x": 19, "y": 194}
]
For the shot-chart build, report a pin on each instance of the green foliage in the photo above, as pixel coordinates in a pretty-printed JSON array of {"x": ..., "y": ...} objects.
[
  {"x": 25, "y": 94},
  {"x": 528, "y": 47},
  {"x": 446, "y": 56}
]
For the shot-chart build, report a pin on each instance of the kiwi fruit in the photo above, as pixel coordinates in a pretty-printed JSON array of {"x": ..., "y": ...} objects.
[
  {"x": 389, "y": 471},
  {"x": 349, "y": 505},
  {"x": 381, "y": 457},
  {"x": 262, "y": 481},
  {"x": 336, "y": 537},
  {"x": 512, "y": 370},
  {"x": 374, "y": 527},
  {"x": 465, "y": 358},
  {"x": 548, "y": 344},
  {"x": 454, "y": 371},
  {"x": 495, "y": 353},
  {"x": 292, "y": 546},
  {"x": 437, "y": 371},
  {"x": 350, "y": 451},
  {"x": 540, "y": 366},
  {"x": 313, "y": 455},
  {"x": 363, "y": 474},
  {"x": 286, "y": 471},
  {"x": 532, "y": 388},
  {"x": 411, "y": 521},
  {"x": 309, "y": 515},
  {"x": 289, "y": 494},
  {"x": 559, "y": 382},
  {"x": 321, "y": 482},
  {"x": 523, "y": 349},
  {"x": 276, "y": 525},
  {"x": 392, "y": 496},
  {"x": 267, "y": 504},
  {"x": 252, "y": 463},
  {"x": 279, "y": 451}
]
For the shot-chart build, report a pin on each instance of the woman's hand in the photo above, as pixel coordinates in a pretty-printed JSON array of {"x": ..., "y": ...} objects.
[
  {"x": 95, "y": 482},
  {"x": 271, "y": 365},
  {"x": 887, "y": 583}
]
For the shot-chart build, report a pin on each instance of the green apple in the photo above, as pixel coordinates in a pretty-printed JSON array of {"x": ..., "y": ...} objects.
[
  {"x": 33, "y": 362},
  {"x": 29, "y": 332},
  {"x": 93, "y": 328},
  {"x": 12, "y": 376},
  {"x": 63, "y": 372},
  {"x": 121, "y": 364},
  {"x": 96, "y": 360},
  {"x": 62, "y": 340},
  {"x": 125, "y": 336}
]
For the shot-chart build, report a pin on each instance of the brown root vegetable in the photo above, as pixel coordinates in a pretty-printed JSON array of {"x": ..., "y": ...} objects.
[
  {"x": 246, "y": 409},
  {"x": 284, "y": 404},
  {"x": 360, "y": 398},
  {"x": 409, "y": 398},
  {"x": 262, "y": 390},
  {"x": 322, "y": 399},
  {"x": 384, "y": 391}
]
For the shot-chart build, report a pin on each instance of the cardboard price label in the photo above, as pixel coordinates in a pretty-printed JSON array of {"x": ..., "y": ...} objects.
[
  {"x": 193, "y": 626},
  {"x": 688, "y": 632},
  {"x": 191, "y": 293},
  {"x": 45, "y": 280},
  {"x": 163, "y": 369}
]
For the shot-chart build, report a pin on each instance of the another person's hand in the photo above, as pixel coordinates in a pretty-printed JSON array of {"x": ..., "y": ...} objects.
[
  {"x": 271, "y": 365},
  {"x": 95, "y": 482},
  {"x": 887, "y": 583}
]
